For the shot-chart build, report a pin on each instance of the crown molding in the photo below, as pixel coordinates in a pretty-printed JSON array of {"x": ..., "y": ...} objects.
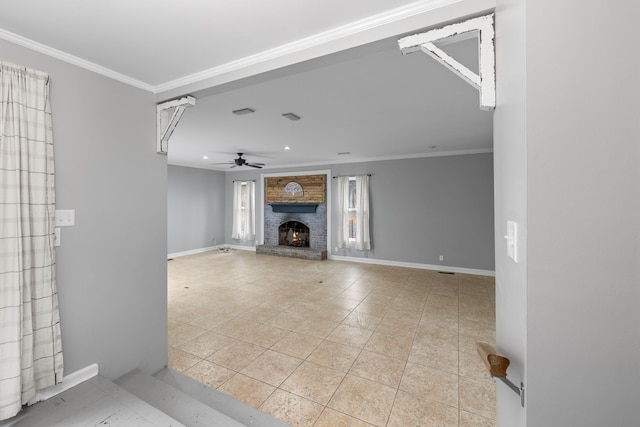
[
  {"x": 353, "y": 160},
  {"x": 72, "y": 59},
  {"x": 372, "y": 22},
  {"x": 350, "y": 29},
  {"x": 393, "y": 157}
]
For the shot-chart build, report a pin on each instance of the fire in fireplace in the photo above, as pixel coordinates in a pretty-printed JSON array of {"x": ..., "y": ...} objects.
[{"x": 293, "y": 233}]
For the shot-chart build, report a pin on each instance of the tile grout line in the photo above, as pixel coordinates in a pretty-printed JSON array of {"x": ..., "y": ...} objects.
[
  {"x": 389, "y": 286},
  {"x": 395, "y": 398}
]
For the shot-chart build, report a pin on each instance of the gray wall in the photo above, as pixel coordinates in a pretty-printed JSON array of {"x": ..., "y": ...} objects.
[
  {"x": 195, "y": 208},
  {"x": 427, "y": 207},
  {"x": 576, "y": 119},
  {"x": 420, "y": 209},
  {"x": 112, "y": 264}
]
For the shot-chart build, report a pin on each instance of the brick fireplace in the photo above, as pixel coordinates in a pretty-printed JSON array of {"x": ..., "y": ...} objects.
[
  {"x": 295, "y": 217},
  {"x": 316, "y": 223}
]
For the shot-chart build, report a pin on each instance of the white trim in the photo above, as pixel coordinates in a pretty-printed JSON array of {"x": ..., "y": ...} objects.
[
  {"x": 481, "y": 28},
  {"x": 452, "y": 64},
  {"x": 193, "y": 251},
  {"x": 297, "y": 173},
  {"x": 239, "y": 247},
  {"x": 166, "y": 123},
  {"x": 69, "y": 381},
  {"x": 354, "y": 160},
  {"x": 379, "y": 20},
  {"x": 260, "y": 205},
  {"x": 72, "y": 59},
  {"x": 210, "y": 248},
  {"x": 448, "y": 269},
  {"x": 353, "y": 28}
]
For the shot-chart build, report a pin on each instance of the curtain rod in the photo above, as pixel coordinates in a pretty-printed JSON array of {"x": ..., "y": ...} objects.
[
  {"x": 368, "y": 174},
  {"x": 244, "y": 180}
]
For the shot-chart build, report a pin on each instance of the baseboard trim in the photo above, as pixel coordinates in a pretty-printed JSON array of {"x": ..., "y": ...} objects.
[
  {"x": 193, "y": 251},
  {"x": 210, "y": 248},
  {"x": 69, "y": 381},
  {"x": 240, "y": 247},
  {"x": 446, "y": 268}
]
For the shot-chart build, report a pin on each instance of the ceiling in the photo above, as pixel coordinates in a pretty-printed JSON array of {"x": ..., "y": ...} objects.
[{"x": 370, "y": 101}]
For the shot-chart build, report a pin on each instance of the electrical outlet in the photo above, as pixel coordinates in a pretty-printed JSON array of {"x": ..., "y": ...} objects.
[{"x": 441, "y": 257}]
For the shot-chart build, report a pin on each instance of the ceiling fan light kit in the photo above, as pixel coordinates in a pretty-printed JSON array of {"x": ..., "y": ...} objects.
[{"x": 241, "y": 162}]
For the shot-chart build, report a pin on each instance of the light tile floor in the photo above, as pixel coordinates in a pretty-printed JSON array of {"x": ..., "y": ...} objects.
[{"x": 331, "y": 343}]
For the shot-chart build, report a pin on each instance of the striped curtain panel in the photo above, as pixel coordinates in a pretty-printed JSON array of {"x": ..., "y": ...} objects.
[{"x": 30, "y": 343}]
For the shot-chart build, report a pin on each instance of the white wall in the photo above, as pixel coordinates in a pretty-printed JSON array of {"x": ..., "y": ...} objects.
[
  {"x": 577, "y": 120},
  {"x": 112, "y": 264},
  {"x": 195, "y": 208}
]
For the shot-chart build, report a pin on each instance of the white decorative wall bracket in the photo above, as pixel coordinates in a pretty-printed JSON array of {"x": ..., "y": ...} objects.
[
  {"x": 480, "y": 28},
  {"x": 168, "y": 115}
]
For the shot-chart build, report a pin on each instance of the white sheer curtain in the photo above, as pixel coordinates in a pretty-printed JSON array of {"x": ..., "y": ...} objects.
[
  {"x": 350, "y": 205},
  {"x": 343, "y": 212},
  {"x": 30, "y": 342},
  {"x": 244, "y": 210},
  {"x": 363, "y": 241}
]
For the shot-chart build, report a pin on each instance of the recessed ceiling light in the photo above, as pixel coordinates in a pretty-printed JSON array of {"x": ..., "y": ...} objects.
[
  {"x": 291, "y": 116},
  {"x": 205, "y": 157},
  {"x": 287, "y": 148},
  {"x": 243, "y": 111}
]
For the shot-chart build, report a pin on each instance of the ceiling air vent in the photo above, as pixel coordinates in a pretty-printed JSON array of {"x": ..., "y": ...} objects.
[
  {"x": 291, "y": 116},
  {"x": 243, "y": 111}
]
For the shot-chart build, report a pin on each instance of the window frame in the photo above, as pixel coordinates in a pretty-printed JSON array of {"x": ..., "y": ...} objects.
[{"x": 353, "y": 229}]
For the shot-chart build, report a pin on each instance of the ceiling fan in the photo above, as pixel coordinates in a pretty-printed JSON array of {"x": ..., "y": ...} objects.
[{"x": 241, "y": 162}]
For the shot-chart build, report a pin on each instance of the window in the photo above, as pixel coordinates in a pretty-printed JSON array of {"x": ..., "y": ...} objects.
[
  {"x": 353, "y": 206},
  {"x": 353, "y": 217},
  {"x": 243, "y": 210}
]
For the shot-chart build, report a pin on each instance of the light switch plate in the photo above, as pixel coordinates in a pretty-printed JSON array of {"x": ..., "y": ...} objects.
[
  {"x": 65, "y": 217},
  {"x": 512, "y": 240}
]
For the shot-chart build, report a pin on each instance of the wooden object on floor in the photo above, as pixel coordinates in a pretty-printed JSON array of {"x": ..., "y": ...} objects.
[{"x": 495, "y": 362}]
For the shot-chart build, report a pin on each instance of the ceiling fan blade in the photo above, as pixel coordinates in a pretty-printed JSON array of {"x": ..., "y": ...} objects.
[
  {"x": 259, "y": 164},
  {"x": 253, "y": 165},
  {"x": 233, "y": 166}
]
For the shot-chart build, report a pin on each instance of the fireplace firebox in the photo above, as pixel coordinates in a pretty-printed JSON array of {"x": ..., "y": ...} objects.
[{"x": 293, "y": 233}]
